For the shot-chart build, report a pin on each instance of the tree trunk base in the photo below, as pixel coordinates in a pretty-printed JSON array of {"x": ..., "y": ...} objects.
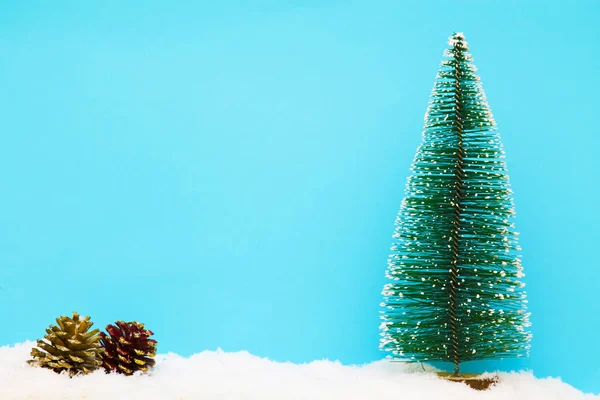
[{"x": 475, "y": 381}]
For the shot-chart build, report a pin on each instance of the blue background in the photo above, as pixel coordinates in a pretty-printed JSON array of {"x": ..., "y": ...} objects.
[{"x": 229, "y": 172}]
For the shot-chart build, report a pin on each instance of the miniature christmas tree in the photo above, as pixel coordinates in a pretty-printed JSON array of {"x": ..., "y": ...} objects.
[
  {"x": 455, "y": 293},
  {"x": 127, "y": 348},
  {"x": 70, "y": 346}
]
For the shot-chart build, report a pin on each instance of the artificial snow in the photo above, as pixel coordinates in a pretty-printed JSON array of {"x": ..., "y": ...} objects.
[{"x": 212, "y": 375}]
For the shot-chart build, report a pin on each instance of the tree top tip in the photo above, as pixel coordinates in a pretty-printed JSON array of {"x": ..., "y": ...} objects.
[{"x": 458, "y": 40}]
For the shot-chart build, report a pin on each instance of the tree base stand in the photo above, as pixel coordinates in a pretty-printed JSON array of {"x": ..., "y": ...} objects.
[{"x": 475, "y": 381}]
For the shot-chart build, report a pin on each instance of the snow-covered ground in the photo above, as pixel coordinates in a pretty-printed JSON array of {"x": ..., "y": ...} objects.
[{"x": 212, "y": 375}]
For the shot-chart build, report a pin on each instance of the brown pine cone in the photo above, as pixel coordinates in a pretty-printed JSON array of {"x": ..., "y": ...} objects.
[{"x": 127, "y": 348}]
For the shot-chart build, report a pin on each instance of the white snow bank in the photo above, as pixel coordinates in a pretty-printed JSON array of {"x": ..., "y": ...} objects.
[{"x": 218, "y": 375}]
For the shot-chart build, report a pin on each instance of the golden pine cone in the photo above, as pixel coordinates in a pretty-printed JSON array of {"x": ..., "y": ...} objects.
[{"x": 69, "y": 347}]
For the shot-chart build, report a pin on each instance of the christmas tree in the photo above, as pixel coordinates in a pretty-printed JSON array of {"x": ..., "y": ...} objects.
[{"x": 455, "y": 293}]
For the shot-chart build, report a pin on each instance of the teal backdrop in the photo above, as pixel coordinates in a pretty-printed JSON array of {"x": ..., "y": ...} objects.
[{"x": 229, "y": 172}]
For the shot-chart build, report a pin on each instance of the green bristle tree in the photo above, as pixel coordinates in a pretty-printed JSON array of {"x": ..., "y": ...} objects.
[{"x": 454, "y": 292}]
